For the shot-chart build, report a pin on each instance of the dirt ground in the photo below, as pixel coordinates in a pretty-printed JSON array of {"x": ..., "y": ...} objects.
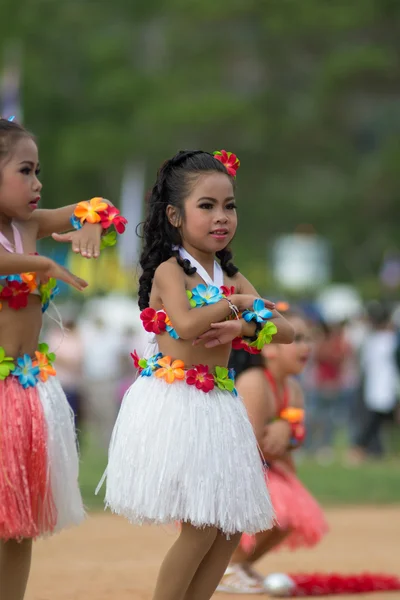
[{"x": 108, "y": 559}]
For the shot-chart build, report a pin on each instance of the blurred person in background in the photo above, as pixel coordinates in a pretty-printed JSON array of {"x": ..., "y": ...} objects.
[
  {"x": 274, "y": 401},
  {"x": 101, "y": 373},
  {"x": 331, "y": 373},
  {"x": 380, "y": 380}
]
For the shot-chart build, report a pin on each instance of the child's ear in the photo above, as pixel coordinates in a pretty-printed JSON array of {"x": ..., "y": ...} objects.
[
  {"x": 173, "y": 216},
  {"x": 270, "y": 351}
]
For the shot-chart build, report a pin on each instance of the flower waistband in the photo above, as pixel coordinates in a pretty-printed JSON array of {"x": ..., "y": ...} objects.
[
  {"x": 28, "y": 371},
  {"x": 200, "y": 376}
]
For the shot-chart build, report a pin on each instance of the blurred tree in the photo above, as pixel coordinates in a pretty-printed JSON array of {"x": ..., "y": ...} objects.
[{"x": 306, "y": 93}]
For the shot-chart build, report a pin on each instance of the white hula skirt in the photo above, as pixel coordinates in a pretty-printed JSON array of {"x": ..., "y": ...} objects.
[
  {"x": 178, "y": 454},
  {"x": 39, "y": 491}
]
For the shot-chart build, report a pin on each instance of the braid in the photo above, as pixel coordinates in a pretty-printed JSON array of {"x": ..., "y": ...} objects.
[
  {"x": 160, "y": 236},
  {"x": 225, "y": 256}
]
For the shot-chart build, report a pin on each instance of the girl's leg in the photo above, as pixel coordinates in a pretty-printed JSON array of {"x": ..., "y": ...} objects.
[
  {"x": 212, "y": 568},
  {"x": 15, "y": 564},
  {"x": 265, "y": 541},
  {"x": 182, "y": 562}
]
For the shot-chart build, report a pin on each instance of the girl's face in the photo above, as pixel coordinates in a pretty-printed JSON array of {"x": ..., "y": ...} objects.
[
  {"x": 209, "y": 222},
  {"x": 292, "y": 358},
  {"x": 19, "y": 183}
]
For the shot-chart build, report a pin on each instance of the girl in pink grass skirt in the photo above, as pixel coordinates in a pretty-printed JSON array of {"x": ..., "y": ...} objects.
[
  {"x": 39, "y": 491},
  {"x": 275, "y": 405}
]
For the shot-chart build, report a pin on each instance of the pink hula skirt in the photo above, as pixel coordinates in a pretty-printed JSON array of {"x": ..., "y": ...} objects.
[
  {"x": 295, "y": 510},
  {"x": 39, "y": 493}
]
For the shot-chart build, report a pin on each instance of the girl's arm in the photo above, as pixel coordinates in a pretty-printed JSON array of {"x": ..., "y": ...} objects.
[
  {"x": 189, "y": 323},
  {"x": 55, "y": 220},
  {"x": 11, "y": 264},
  {"x": 285, "y": 333}
]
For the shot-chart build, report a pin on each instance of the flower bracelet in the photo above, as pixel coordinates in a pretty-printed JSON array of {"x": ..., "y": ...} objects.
[
  {"x": 295, "y": 418},
  {"x": 265, "y": 330},
  {"x": 97, "y": 210}
]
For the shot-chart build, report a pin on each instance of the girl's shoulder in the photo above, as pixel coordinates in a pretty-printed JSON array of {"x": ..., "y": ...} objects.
[
  {"x": 168, "y": 268},
  {"x": 237, "y": 281}
]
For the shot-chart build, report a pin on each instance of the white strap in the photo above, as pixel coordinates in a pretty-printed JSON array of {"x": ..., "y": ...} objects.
[{"x": 218, "y": 279}]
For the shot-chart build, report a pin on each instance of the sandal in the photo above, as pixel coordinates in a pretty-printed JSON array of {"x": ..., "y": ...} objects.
[{"x": 241, "y": 579}]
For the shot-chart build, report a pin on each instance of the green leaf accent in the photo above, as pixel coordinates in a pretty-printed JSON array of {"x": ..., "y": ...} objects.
[
  {"x": 43, "y": 348},
  {"x": 142, "y": 363},
  {"x": 190, "y": 296},
  {"x": 265, "y": 336},
  {"x": 6, "y": 364},
  {"x": 108, "y": 240},
  {"x": 222, "y": 379}
]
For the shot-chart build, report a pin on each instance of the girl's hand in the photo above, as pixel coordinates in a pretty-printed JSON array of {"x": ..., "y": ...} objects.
[
  {"x": 58, "y": 272},
  {"x": 276, "y": 438},
  {"x": 246, "y": 301},
  {"x": 85, "y": 241},
  {"x": 220, "y": 333}
]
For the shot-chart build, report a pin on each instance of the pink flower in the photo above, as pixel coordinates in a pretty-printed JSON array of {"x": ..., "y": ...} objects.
[
  {"x": 201, "y": 378},
  {"x": 229, "y": 160},
  {"x": 112, "y": 216}
]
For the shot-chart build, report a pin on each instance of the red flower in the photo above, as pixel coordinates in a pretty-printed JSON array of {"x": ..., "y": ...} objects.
[
  {"x": 229, "y": 160},
  {"x": 153, "y": 321},
  {"x": 135, "y": 358},
  {"x": 227, "y": 291},
  {"x": 201, "y": 378},
  {"x": 240, "y": 344},
  {"x": 16, "y": 294},
  {"x": 112, "y": 216}
]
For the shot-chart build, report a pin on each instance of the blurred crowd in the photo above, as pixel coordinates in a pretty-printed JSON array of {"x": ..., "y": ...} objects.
[{"x": 351, "y": 383}]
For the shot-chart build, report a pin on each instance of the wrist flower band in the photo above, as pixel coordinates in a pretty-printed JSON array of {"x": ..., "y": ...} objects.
[{"x": 97, "y": 211}]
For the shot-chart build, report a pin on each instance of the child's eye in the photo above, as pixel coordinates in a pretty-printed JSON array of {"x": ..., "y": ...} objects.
[
  {"x": 206, "y": 205},
  {"x": 37, "y": 172},
  {"x": 231, "y": 206},
  {"x": 26, "y": 170}
]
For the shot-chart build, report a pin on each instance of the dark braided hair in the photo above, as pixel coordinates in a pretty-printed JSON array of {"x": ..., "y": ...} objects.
[
  {"x": 10, "y": 133},
  {"x": 171, "y": 188}
]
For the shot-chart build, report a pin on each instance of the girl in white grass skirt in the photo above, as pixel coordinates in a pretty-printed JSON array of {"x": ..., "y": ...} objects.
[{"x": 183, "y": 449}]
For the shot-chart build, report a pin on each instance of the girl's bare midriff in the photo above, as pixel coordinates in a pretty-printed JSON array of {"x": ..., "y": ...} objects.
[{"x": 20, "y": 329}]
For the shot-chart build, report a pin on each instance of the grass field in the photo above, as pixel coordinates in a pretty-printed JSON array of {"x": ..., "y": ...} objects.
[{"x": 374, "y": 483}]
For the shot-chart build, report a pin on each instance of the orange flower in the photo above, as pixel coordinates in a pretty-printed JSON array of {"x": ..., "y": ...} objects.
[
  {"x": 30, "y": 280},
  {"x": 293, "y": 415},
  {"x": 89, "y": 210},
  {"x": 169, "y": 371},
  {"x": 46, "y": 369}
]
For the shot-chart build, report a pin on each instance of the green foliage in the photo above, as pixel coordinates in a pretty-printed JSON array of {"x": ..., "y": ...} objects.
[{"x": 306, "y": 93}]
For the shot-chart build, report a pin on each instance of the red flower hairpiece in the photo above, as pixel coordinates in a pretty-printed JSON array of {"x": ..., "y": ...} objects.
[{"x": 229, "y": 160}]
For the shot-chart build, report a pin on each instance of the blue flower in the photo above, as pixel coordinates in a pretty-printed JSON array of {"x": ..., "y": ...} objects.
[
  {"x": 232, "y": 375},
  {"x": 259, "y": 314},
  {"x": 13, "y": 278},
  {"x": 26, "y": 372},
  {"x": 206, "y": 294},
  {"x": 152, "y": 365},
  {"x": 172, "y": 332},
  {"x": 75, "y": 222}
]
